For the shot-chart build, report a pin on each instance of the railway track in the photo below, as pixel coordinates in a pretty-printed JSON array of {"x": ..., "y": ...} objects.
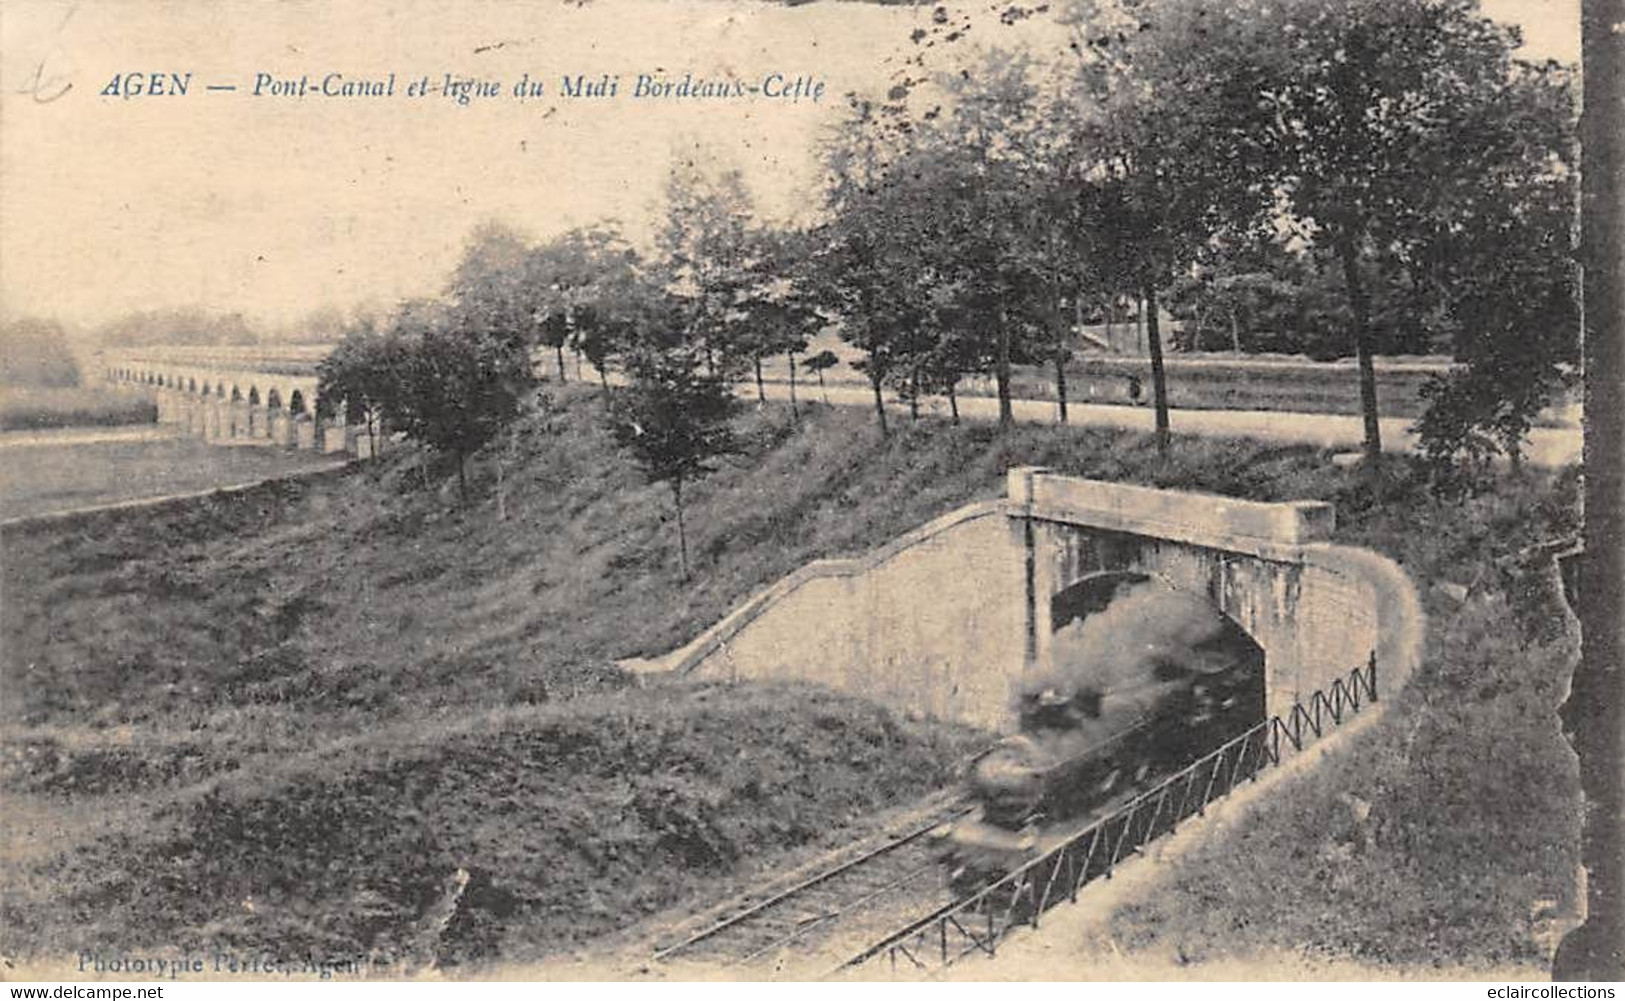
[{"x": 824, "y": 909}]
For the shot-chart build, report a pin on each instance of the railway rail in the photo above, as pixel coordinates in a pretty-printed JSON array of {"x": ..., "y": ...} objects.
[
  {"x": 845, "y": 907},
  {"x": 976, "y": 923},
  {"x": 882, "y": 882}
]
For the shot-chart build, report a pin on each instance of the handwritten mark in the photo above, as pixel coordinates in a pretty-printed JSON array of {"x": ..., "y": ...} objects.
[{"x": 45, "y": 89}]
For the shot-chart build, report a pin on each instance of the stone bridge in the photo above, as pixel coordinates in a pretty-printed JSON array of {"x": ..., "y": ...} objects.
[
  {"x": 942, "y": 621},
  {"x": 221, "y": 394}
]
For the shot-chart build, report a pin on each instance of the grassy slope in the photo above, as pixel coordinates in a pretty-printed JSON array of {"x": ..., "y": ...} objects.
[
  {"x": 218, "y": 640},
  {"x": 570, "y": 821}
]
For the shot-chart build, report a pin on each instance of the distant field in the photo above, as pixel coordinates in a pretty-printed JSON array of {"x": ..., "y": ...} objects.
[
  {"x": 40, "y": 479},
  {"x": 36, "y": 408}
]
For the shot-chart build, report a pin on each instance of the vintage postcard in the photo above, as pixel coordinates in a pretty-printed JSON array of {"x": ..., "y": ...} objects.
[{"x": 652, "y": 490}]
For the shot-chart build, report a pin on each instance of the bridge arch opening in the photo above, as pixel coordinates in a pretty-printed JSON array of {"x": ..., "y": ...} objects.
[
  {"x": 296, "y": 402},
  {"x": 1133, "y": 644},
  {"x": 254, "y": 395},
  {"x": 273, "y": 399},
  {"x": 191, "y": 385},
  {"x": 236, "y": 394}
]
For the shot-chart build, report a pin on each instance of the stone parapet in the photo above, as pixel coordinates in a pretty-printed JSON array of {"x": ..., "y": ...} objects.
[{"x": 1224, "y": 523}]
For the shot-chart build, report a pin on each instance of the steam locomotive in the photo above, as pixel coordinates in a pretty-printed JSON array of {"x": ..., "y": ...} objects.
[{"x": 1145, "y": 679}]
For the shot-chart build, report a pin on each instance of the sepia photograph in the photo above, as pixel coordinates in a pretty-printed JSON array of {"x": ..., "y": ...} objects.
[{"x": 811, "y": 491}]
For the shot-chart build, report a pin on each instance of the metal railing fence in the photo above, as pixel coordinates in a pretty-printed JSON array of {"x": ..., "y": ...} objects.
[{"x": 976, "y": 923}]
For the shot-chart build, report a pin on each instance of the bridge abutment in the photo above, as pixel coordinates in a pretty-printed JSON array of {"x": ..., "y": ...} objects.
[{"x": 946, "y": 619}]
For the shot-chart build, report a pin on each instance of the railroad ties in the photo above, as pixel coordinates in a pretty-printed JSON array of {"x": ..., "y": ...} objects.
[{"x": 821, "y": 913}]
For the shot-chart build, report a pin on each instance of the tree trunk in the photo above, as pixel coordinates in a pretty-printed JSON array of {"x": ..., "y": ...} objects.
[
  {"x": 1360, "y": 309},
  {"x": 578, "y": 364},
  {"x": 914, "y": 395},
  {"x": 880, "y": 404},
  {"x": 953, "y": 401},
  {"x": 502, "y": 484},
  {"x": 761, "y": 393},
  {"x": 1001, "y": 369},
  {"x": 558, "y": 350},
  {"x": 1060, "y": 364},
  {"x": 823, "y": 389},
  {"x": 1591, "y": 713},
  {"x": 603, "y": 377},
  {"x": 1235, "y": 333},
  {"x": 791, "y": 355},
  {"x": 1159, "y": 381},
  {"x": 502, "y": 495},
  {"x": 682, "y": 532}
]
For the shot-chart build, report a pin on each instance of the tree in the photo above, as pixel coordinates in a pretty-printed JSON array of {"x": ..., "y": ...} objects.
[
  {"x": 872, "y": 273},
  {"x": 365, "y": 376},
  {"x": 184, "y": 325},
  {"x": 673, "y": 418},
  {"x": 1385, "y": 130},
  {"x": 490, "y": 292},
  {"x": 777, "y": 303},
  {"x": 818, "y": 364},
  {"x": 582, "y": 281},
  {"x": 1163, "y": 179},
  {"x": 705, "y": 255},
  {"x": 458, "y": 387},
  {"x": 35, "y": 352}
]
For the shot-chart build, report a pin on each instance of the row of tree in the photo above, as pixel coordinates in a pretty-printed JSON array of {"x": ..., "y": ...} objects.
[
  {"x": 1386, "y": 167},
  {"x": 1392, "y": 155},
  {"x": 35, "y": 352}
]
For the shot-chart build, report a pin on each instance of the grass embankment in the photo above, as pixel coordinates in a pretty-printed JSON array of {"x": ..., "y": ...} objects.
[
  {"x": 38, "y": 408},
  {"x": 564, "y": 821},
  {"x": 296, "y": 672}
]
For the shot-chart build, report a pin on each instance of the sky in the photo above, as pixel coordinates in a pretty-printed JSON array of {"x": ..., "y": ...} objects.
[{"x": 273, "y": 205}]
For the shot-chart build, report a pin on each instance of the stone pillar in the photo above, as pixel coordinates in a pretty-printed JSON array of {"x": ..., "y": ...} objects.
[
  {"x": 222, "y": 418},
  {"x": 281, "y": 428},
  {"x": 1039, "y": 573},
  {"x": 304, "y": 432},
  {"x": 259, "y": 421},
  {"x": 240, "y": 419},
  {"x": 336, "y": 438},
  {"x": 360, "y": 443}
]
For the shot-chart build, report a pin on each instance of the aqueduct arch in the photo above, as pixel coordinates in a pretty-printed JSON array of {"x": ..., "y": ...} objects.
[{"x": 220, "y": 401}]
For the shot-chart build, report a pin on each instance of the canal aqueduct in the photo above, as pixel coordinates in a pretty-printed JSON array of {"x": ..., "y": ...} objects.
[{"x": 235, "y": 395}]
